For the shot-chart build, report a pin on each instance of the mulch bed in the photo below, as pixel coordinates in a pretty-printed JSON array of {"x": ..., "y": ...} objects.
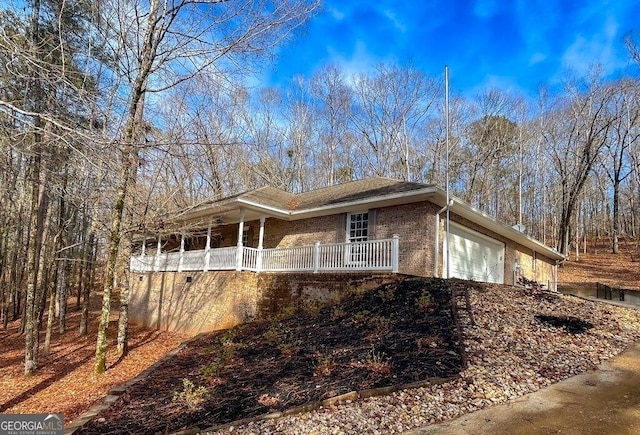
[{"x": 396, "y": 334}]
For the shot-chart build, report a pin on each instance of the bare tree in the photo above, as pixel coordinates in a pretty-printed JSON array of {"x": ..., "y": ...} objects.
[
  {"x": 576, "y": 134},
  {"x": 390, "y": 106},
  {"x": 623, "y": 134},
  {"x": 334, "y": 99},
  {"x": 157, "y": 47}
]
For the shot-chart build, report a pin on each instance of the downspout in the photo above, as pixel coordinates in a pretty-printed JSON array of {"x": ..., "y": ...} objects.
[
  {"x": 437, "y": 239},
  {"x": 555, "y": 276}
]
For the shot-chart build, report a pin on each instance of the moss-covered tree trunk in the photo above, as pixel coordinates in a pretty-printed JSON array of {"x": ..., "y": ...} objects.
[{"x": 115, "y": 235}]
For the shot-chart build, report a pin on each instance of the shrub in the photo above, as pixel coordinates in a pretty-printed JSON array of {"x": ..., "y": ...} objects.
[
  {"x": 190, "y": 396},
  {"x": 377, "y": 363},
  {"x": 211, "y": 371},
  {"x": 324, "y": 365},
  {"x": 424, "y": 303},
  {"x": 386, "y": 294},
  {"x": 361, "y": 316}
]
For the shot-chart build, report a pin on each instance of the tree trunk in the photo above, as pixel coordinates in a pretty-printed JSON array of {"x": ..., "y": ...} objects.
[
  {"x": 123, "y": 319},
  {"x": 62, "y": 284},
  {"x": 112, "y": 260},
  {"x": 616, "y": 216},
  {"x": 50, "y": 316},
  {"x": 39, "y": 206},
  {"x": 86, "y": 285}
]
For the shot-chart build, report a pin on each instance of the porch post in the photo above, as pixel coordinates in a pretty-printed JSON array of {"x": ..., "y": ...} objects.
[
  {"x": 239, "y": 250},
  {"x": 143, "y": 251},
  {"x": 260, "y": 244},
  {"x": 395, "y": 253},
  {"x": 181, "y": 258},
  {"x": 158, "y": 251},
  {"x": 207, "y": 249},
  {"x": 316, "y": 257}
]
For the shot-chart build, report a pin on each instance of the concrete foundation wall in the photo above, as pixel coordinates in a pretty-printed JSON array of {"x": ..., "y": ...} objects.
[
  {"x": 210, "y": 301},
  {"x": 220, "y": 300}
]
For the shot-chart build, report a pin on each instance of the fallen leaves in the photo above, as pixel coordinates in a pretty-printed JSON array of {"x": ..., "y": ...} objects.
[{"x": 64, "y": 382}]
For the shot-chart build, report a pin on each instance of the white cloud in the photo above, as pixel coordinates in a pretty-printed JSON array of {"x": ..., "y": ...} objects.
[
  {"x": 599, "y": 48},
  {"x": 495, "y": 81},
  {"x": 537, "y": 58},
  {"x": 394, "y": 19},
  {"x": 335, "y": 13},
  {"x": 485, "y": 8},
  {"x": 359, "y": 62}
]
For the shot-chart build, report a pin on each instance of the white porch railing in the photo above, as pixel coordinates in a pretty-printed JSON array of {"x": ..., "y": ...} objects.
[{"x": 374, "y": 255}]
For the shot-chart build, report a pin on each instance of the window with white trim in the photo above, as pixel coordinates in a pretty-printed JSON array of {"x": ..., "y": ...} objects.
[
  {"x": 245, "y": 236},
  {"x": 357, "y": 231},
  {"x": 358, "y": 227}
]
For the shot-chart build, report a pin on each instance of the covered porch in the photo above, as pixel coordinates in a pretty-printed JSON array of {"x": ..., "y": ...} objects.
[
  {"x": 370, "y": 255},
  {"x": 376, "y": 255}
]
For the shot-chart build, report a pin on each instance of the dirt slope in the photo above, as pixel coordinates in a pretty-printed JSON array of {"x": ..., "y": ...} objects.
[{"x": 395, "y": 334}]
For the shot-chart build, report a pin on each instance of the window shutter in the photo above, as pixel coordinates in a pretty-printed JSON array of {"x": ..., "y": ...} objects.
[
  {"x": 341, "y": 227},
  {"x": 372, "y": 223}
]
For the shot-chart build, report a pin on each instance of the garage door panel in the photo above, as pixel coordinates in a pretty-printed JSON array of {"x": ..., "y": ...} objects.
[{"x": 475, "y": 257}]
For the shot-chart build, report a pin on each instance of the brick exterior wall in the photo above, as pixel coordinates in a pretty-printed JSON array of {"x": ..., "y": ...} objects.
[
  {"x": 281, "y": 290},
  {"x": 417, "y": 234},
  {"x": 414, "y": 223},
  {"x": 305, "y": 232}
]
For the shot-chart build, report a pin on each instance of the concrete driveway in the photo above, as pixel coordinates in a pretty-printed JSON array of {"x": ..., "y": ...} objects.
[{"x": 605, "y": 401}]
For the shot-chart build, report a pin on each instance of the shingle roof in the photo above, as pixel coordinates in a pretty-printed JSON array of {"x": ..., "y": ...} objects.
[
  {"x": 269, "y": 196},
  {"x": 326, "y": 200},
  {"x": 353, "y": 191},
  {"x": 289, "y": 202}
]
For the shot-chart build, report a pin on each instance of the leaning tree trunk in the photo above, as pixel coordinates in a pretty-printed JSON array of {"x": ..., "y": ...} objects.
[{"x": 115, "y": 235}]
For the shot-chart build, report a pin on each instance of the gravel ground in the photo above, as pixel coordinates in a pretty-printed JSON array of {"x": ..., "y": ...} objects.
[{"x": 510, "y": 353}]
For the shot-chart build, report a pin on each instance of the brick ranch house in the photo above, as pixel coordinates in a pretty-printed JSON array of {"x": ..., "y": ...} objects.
[{"x": 243, "y": 255}]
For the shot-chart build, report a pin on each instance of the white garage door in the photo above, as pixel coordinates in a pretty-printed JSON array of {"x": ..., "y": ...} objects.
[{"x": 474, "y": 256}]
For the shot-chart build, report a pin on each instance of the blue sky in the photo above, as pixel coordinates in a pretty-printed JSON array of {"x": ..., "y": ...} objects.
[{"x": 512, "y": 45}]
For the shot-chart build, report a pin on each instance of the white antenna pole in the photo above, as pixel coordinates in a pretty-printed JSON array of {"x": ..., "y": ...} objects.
[{"x": 446, "y": 109}]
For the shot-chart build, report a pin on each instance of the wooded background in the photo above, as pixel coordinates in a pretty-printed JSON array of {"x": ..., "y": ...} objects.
[{"x": 114, "y": 113}]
